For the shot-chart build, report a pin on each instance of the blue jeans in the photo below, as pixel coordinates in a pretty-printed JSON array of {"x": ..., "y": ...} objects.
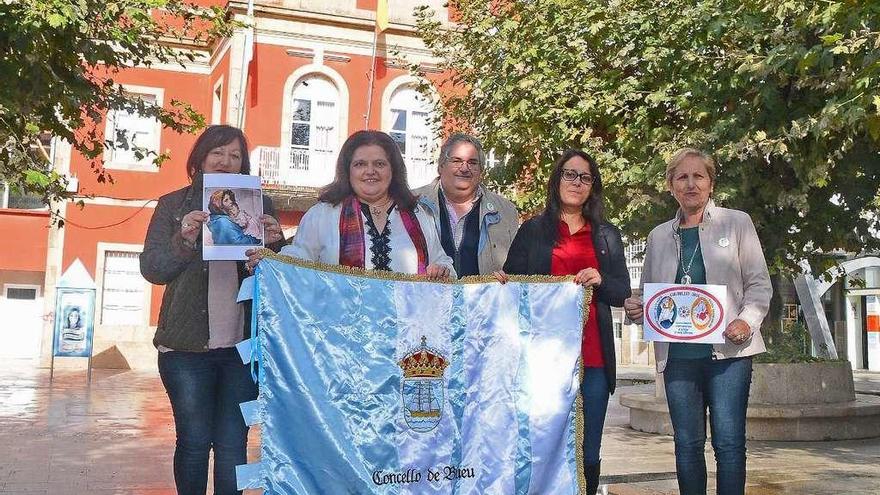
[
  {"x": 722, "y": 385},
  {"x": 205, "y": 389},
  {"x": 594, "y": 391}
]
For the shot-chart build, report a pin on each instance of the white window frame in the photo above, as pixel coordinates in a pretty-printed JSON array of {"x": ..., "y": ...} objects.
[
  {"x": 103, "y": 248},
  {"x": 145, "y": 165},
  {"x": 342, "y": 103},
  {"x": 634, "y": 266},
  {"x": 428, "y": 160},
  {"x": 6, "y": 288},
  {"x": 330, "y": 147},
  {"x": 4, "y": 200}
]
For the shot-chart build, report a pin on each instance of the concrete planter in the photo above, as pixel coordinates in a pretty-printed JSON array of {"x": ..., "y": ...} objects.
[
  {"x": 788, "y": 402},
  {"x": 802, "y": 383}
]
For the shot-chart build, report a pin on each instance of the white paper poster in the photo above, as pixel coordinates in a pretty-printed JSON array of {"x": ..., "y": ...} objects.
[
  {"x": 235, "y": 204},
  {"x": 872, "y": 325},
  {"x": 685, "y": 313}
]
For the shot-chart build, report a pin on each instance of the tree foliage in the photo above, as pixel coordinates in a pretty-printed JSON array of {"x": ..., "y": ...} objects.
[
  {"x": 784, "y": 93},
  {"x": 60, "y": 60}
]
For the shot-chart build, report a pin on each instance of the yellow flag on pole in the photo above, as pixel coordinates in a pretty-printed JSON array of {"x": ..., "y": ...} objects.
[{"x": 382, "y": 15}]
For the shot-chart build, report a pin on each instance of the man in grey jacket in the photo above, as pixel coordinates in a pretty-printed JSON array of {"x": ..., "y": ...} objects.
[{"x": 476, "y": 226}]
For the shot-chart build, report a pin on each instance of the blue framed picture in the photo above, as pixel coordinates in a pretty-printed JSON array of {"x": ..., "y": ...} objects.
[{"x": 74, "y": 322}]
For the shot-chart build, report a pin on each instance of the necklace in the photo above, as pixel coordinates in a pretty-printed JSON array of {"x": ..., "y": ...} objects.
[
  {"x": 686, "y": 279},
  {"x": 379, "y": 209}
]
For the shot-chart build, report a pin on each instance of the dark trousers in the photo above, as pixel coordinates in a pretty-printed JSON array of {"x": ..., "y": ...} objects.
[
  {"x": 722, "y": 386},
  {"x": 205, "y": 389},
  {"x": 594, "y": 391}
]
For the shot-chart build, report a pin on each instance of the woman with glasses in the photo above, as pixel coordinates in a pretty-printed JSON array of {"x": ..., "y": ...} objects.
[{"x": 571, "y": 237}]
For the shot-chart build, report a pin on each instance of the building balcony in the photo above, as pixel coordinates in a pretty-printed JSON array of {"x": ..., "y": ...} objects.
[{"x": 293, "y": 176}]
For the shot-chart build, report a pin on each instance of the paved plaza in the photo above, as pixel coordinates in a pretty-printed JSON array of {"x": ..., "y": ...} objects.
[{"x": 117, "y": 437}]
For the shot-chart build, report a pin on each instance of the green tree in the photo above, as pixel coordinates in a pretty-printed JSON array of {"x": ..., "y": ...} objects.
[
  {"x": 785, "y": 94},
  {"x": 59, "y": 60}
]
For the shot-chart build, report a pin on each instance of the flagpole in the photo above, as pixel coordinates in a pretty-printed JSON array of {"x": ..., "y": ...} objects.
[
  {"x": 372, "y": 78},
  {"x": 246, "y": 58}
]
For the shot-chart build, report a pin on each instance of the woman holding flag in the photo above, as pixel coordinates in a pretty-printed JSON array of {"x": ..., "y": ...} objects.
[
  {"x": 368, "y": 218},
  {"x": 571, "y": 237}
]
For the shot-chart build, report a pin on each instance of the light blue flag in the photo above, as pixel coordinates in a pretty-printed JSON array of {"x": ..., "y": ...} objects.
[{"x": 386, "y": 384}]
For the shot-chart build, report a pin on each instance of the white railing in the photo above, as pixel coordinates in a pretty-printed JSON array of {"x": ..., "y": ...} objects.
[
  {"x": 420, "y": 171},
  {"x": 293, "y": 166},
  {"x": 264, "y": 162},
  {"x": 316, "y": 168}
]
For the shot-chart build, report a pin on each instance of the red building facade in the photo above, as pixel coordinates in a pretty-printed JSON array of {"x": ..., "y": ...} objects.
[{"x": 305, "y": 88}]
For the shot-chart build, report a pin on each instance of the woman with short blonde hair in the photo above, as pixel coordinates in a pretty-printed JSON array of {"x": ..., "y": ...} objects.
[{"x": 720, "y": 246}]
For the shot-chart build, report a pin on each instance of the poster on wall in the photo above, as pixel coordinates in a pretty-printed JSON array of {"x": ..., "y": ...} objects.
[
  {"x": 685, "y": 313},
  {"x": 74, "y": 322},
  {"x": 234, "y": 204}
]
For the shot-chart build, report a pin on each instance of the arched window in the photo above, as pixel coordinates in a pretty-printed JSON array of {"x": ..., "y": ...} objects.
[
  {"x": 410, "y": 122},
  {"x": 314, "y": 133}
]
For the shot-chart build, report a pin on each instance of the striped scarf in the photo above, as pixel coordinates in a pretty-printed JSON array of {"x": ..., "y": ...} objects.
[{"x": 352, "y": 248}]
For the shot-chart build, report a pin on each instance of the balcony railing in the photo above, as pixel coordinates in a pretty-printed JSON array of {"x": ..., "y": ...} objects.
[
  {"x": 314, "y": 168},
  {"x": 420, "y": 171},
  {"x": 294, "y": 166}
]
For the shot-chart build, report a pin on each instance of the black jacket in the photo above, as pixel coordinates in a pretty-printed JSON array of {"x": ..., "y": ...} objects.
[
  {"x": 531, "y": 252},
  {"x": 183, "y": 316}
]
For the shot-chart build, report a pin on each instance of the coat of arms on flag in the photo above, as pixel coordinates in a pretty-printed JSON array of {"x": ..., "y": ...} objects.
[
  {"x": 422, "y": 387},
  {"x": 383, "y": 383}
]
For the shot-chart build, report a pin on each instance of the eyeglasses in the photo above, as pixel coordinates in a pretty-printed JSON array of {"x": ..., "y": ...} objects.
[
  {"x": 458, "y": 162},
  {"x": 572, "y": 175}
]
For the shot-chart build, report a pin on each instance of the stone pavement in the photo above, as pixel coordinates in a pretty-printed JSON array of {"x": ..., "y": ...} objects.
[
  {"x": 117, "y": 437},
  {"x": 867, "y": 382}
]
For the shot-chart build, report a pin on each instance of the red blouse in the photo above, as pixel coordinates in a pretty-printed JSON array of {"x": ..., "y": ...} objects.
[{"x": 573, "y": 253}]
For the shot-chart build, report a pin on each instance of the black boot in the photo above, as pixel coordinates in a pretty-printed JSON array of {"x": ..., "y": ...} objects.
[{"x": 591, "y": 472}]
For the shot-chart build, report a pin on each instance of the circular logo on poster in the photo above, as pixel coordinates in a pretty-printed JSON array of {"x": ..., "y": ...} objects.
[
  {"x": 666, "y": 312},
  {"x": 702, "y": 313},
  {"x": 684, "y": 313}
]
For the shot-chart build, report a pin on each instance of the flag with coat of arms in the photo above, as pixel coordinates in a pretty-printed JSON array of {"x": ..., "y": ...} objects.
[{"x": 377, "y": 382}]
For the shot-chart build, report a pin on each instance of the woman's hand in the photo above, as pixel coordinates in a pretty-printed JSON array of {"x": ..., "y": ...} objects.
[
  {"x": 272, "y": 228},
  {"x": 254, "y": 256},
  {"x": 738, "y": 331},
  {"x": 501, "y": 276},
  {"x": 588, "y": 277},
  {"x": 191, "y": 225},
  {"x": 436, "y": 272},
  {"x": 633, "y": 308}
]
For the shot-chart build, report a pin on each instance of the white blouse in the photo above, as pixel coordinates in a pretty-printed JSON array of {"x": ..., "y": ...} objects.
[{"x": 317, "y": 239}]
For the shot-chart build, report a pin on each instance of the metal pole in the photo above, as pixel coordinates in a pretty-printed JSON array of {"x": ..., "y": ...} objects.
[
  {"x": 52, "y": 362},
  {"x": 246, "y": 57},
  {"x": 372, "y": 79}
]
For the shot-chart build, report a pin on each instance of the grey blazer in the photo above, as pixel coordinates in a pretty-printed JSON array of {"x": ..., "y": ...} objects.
[{"x": 733, "y": 257}]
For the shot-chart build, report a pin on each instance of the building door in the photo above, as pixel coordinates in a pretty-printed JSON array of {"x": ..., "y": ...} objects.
[{"x": 21, "y": 306}]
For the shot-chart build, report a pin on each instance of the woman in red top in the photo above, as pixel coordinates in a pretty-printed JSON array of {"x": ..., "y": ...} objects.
[{"x": 571, "y": 237}]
